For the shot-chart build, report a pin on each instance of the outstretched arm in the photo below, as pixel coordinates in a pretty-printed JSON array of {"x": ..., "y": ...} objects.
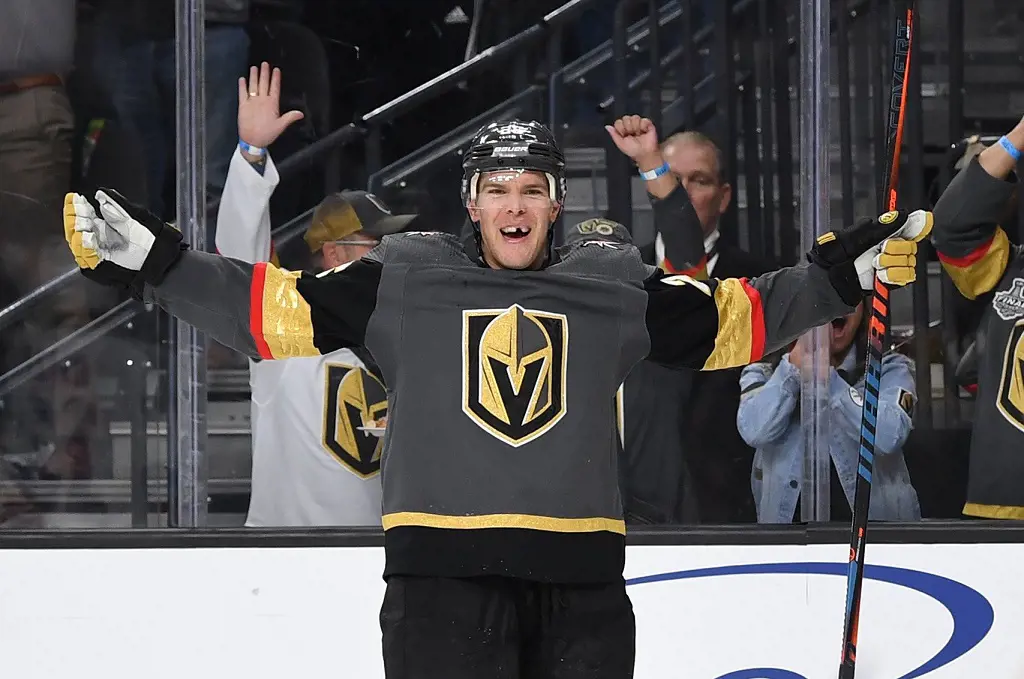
[
  {"x": 972, "y": 247},
  {"x": 257, "y": 309},
  {"x": 266, "y": 312},
  {"x": 716, "y": 324}
]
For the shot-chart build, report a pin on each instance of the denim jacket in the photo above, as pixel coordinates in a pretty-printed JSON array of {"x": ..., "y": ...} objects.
[{"x": 769, "y": 420}]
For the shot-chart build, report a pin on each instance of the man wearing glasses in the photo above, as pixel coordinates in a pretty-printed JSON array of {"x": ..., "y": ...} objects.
[{"x": 317, "y": 423}]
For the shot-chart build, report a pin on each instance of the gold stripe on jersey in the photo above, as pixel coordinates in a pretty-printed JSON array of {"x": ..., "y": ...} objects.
[
  {"x": 286, "y": 326},
  {"x": 550, "y": 524},
  {"x": 740, "y": 325},
  {"x": 981, "y": 270},
  {"x": 620, "y": 413},
  {"x": 993, "y": 511}
]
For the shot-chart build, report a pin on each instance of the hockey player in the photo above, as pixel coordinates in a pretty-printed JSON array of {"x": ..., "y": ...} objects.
[
  {"x": 502, "y": 519},
  {"x": 316, "y": 443},
  {"x": 978, "y": 256}
]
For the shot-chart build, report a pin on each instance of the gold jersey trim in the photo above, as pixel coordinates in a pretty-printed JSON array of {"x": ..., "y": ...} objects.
[
  {"x": 734, "y": 341},
  {"x": 285, "y": 322},
  {"x": 993, "y": 511},
  {"x": 532, "y": 522},
  {"x": 980, "y": 271}
]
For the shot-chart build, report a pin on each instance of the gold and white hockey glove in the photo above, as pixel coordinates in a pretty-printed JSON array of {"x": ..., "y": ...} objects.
[
  {"x": 119, "y": 244},
  {"x": 886, "y": 246}
]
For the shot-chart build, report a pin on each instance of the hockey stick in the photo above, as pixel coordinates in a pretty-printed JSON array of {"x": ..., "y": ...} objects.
[{"x": 878, "y": 337}]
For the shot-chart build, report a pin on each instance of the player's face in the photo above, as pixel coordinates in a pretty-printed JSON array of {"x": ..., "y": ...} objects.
[
  {"x": 696, "y": 167},
  {"x": 515, "y": 211},
  {"x": 844, "y": 330}
]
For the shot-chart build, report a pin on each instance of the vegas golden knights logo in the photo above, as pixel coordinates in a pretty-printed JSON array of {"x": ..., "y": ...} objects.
[
  {"x": 514, "y": 371},
  {"x": 353, "y": 398},
  {"x": 1010, "y": 399}
]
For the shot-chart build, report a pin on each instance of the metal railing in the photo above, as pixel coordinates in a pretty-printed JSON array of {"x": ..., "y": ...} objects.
[
  {"x": 326, "y": 149},
  {"x": 450, "y": 145},
  {"x": 370, "y": 124},
  {"x": 453, "y": 142},
  {"x": 748, "y": 41},
  {"x": 746, "y": 98},
  {"x": 517, "y": 46},
  {"x": 705, "y": 99},
  {"x": 126, "y": 310}
]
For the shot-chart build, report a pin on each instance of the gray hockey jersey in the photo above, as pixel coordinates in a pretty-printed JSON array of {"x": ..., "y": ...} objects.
[
  {"x": 499, "y": 456},
  {"x": 978, "y": 256}
]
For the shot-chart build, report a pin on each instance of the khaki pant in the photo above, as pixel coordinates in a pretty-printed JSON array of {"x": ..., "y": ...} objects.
[{"x": 56, "y": 408}]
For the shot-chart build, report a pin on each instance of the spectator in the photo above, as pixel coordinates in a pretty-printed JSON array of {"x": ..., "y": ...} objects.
[
  {"x": 37, "y": 42},
  {"x": 56, "y": 411},
  {"x": 316, "y": 422},
  {"x": 720, "y": 460},
  {"x": 658, "y": 485},
  {"x": 769, "y": 419},
  {"x": 134, "y": 61}
]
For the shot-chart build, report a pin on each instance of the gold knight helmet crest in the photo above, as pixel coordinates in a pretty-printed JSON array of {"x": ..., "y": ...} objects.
[
  {"x": 514, "y": 371},
  {"x": 354, "y": 398}
]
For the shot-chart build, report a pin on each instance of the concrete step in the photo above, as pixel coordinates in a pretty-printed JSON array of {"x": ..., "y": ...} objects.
[{"x": 229, "y": 431}]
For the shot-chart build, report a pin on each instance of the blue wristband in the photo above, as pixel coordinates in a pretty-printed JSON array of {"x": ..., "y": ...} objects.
[
  {"x": 1010, "y": 148},
  {"x": 252, "y": 150},
  {"x": 656, "y": 172}
]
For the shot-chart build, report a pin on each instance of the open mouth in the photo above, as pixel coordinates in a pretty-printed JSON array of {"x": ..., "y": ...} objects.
[
  {"x": 838, "y": 326},
  {"x": 515, "y": 234}
]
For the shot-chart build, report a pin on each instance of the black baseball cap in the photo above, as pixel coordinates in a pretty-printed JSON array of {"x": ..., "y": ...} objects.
[{"x": 598, "y": 229}]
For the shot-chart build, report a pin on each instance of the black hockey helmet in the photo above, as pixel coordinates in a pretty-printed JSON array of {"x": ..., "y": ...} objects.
[{"x": 513, "y": 145}]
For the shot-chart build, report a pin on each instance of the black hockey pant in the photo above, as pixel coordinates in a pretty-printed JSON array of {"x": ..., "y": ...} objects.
[{"x": 501, "y": 628}]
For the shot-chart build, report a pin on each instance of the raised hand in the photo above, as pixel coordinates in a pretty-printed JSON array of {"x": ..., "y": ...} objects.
[
  {"x": 636, "y": 137},
  {"x": 260, "y": 121}
]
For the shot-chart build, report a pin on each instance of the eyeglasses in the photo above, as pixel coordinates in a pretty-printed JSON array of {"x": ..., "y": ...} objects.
[{"x": 367, "y": 243}]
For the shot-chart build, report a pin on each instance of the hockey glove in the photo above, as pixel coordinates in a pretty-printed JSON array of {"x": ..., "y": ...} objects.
[
  {"x": 886, "y": 246},
  {"x": 123, "y": 245}
]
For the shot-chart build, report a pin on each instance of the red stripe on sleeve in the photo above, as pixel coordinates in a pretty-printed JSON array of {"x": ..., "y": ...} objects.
[
  {"x": 972, "y": 257},
  {"x": 259, "y": 277},
  {"x": 757, "y": 332},
  {"x": 701, "y": 266}
]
